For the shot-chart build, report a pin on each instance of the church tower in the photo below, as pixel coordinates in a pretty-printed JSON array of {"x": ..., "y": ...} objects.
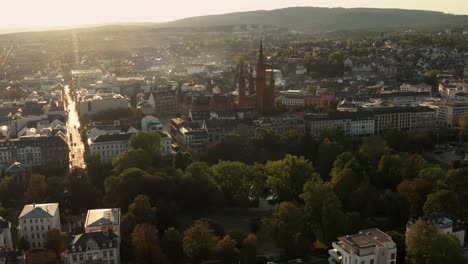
[
  {"x": 260, "y": 81},
  {"x": 241, "y": 82}
]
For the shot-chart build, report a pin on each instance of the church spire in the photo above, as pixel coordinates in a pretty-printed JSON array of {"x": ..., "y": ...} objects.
[
  {"x": 241, "y": 81},
  {"x": 261, "y": 59}
]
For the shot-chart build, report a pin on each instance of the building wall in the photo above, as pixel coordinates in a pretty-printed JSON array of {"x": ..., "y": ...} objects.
[
  {"x": 104, "y": 256},
  {"x": 91, "y": 107},
  {"x": 108, "y": 150},
  {"x": 34, "y": 230}
]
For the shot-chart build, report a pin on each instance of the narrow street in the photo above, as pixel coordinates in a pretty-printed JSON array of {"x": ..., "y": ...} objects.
[{"x": 74, "y": 137}]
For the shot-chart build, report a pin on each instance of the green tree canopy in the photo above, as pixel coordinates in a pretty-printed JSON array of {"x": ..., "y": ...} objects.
[
  {"x": 286, "y": 177},
  {"x": 199, "y": 242},
  {"x": 171, "y": 244},
  {"x": 442, "y": 201},
  {"x": 37, "y": 189},
  {"x": 425, "y": 244},
  {"x": 286, "y": 225},
  {"x": 133, "y": 158},
  {"x": 238, "y": 181}
]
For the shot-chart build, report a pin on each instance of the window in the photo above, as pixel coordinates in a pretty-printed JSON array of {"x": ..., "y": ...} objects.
[
  {"x": 392, "y": 256},
  {"x": 111, "y": 253},
  {"x": 371, "y": 261}
]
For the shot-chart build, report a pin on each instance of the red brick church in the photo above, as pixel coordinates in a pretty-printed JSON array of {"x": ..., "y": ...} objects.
[{"x": 261, "y": 95}]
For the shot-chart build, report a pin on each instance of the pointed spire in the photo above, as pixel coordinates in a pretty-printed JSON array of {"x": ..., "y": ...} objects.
[
  {"x": 261, "y": 58},
  {"x": 241, "y": 81}
]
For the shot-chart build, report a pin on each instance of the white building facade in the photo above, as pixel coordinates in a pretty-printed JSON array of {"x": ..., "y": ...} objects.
[
  {"x": 35, "y": 220},
  {"x": 370, "y": 246}
]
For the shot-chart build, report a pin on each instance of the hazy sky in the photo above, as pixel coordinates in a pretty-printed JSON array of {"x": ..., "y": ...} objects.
[{"x": 39, "y": 13}]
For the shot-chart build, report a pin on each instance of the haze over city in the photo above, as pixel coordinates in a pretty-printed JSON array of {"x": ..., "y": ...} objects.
[
  {"x": 222, "y": 132},
  {"x": 55, "y": 13}
]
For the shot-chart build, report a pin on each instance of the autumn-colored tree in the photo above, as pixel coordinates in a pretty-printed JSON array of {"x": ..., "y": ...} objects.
[
  {"x": 249, "y": 249},
  {"x": 146, "y": 245},
  {"x": 227, "y": 251},
  {"x": 54, "y": 241},
  {"x": 199, "y": 242}
]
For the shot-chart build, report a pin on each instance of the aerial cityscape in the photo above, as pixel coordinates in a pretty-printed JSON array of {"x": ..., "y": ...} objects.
[{"x": 328, "y": 133}]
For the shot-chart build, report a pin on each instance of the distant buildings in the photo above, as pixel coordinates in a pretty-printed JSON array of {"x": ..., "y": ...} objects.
[
  {"x": 51, "y": 151},
  {"x": 403, "y": 118},
  {"x": 370, "y": 246},
  {"x": 451, "y": 112},
  {"x": 298, "y": 99},
  {"x": 445, "y": 222},
  {"x": 93, "y": 104},
  {"x": 373, "y": 121},
  {"x": 164, "y": 103},
  {"x": 262, "y": 95},
  {"x": 35, "y": 220},
  {"x": 195, "y": 139},
  {"x": 281, "y": 125},
  {"x": 108, "y": 146}
]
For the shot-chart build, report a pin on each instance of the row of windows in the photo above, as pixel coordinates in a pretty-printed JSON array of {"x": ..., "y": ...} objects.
[
  {"x": 120, "y": 146},
  {"x": 41, "y": 220}
]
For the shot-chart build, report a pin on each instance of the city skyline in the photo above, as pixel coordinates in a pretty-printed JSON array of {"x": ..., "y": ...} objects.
[{"x": 56, "y": 13}]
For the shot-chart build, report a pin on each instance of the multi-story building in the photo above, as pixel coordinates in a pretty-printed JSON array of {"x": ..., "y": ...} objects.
[
  {"x": 166, "y": 142},
  {"x": 281, "y": 125},
  {"x": 445, "y": 222},
  {"x": 38, "y": 150},
  {"x": 35, "y": 220},
  {"x": 164, "y": 103},
  {"x": 5, "y": 235},
  {"x": 108, "y": 146},
  {"x": 93, "y": 104},
  {"x": 451, "y": 112},
  {"x": 195, "y": 139},
  {"x": 291, "y": 99},
  {"x": 403, "y": 118},
  {"x": 352, "y": 123},
  {"x": 370, "y": 246},
  {"x": 321, "y": 100},
  {"x": 95, "y": 247},
  {"x": 103, "y": 220}
]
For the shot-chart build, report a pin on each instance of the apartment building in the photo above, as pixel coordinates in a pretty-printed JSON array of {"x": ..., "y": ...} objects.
[
  {"x": 403, "y": 118},
  {"x": 281, "y": 125},
  {"x": 451, "y": 112},
  {"x": 370, "y": 246},
  {"x": 95, "y": 103},
  {"x": 5, "y": 235},
  {"x": 35, "y": 220},
  {"x": 195, "y": 139},
  {"x": 108, "y": 146},
  {"x": 164, "y": 103},
  {"x": 95, "y": 247},
  {"x": 38, "y": 150}
]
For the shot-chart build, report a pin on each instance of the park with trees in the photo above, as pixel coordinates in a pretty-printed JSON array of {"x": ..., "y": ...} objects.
[{"x": 289, "y": 196}]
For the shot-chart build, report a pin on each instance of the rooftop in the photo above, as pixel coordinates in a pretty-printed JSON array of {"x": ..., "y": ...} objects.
[
  {"x": 98, "y": 217},
  {"x": 39, "y": 210}
]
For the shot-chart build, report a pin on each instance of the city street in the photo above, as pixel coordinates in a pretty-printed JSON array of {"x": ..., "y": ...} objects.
[{"x": 74, "y": 137}]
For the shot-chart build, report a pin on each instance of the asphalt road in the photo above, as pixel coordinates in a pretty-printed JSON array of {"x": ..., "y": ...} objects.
[{"x": 74, "y": 137}]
